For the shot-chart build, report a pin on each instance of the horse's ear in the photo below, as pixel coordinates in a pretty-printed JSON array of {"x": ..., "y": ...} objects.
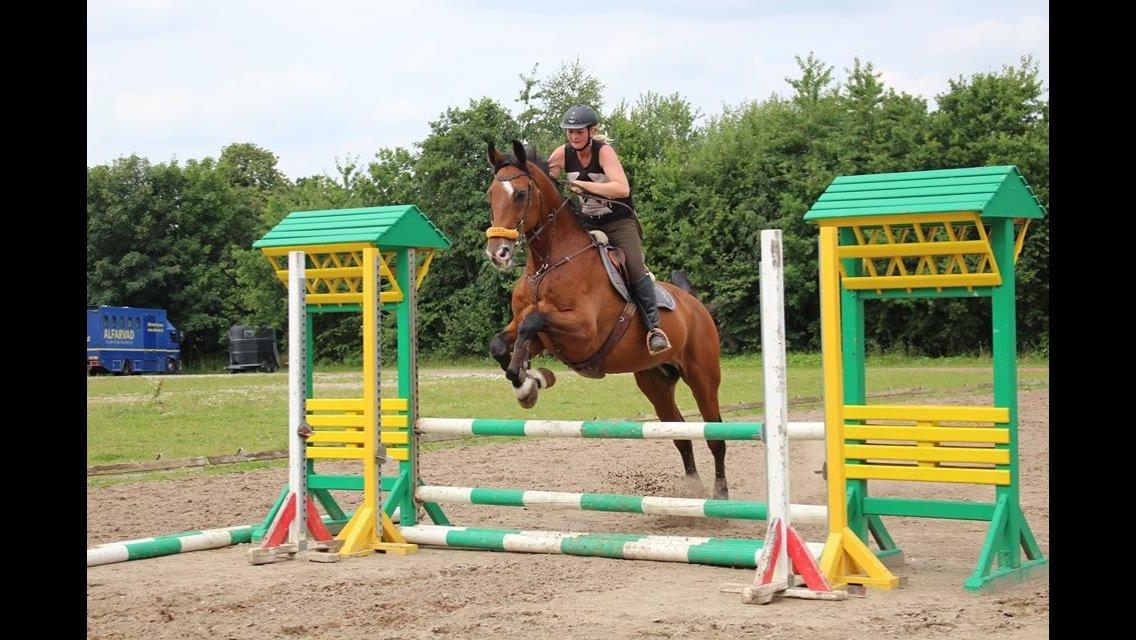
[
  {"x": 519, "y": 152},
  {"x": 494, "y": 155}
]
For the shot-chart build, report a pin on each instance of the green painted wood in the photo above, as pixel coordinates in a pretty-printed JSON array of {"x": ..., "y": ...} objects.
[
  {"x": 994, "y": 192},
  {"x": 389, "y": 227}
]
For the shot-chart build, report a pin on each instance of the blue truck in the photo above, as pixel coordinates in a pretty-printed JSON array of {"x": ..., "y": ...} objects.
[{"x": 129, "y": 340}]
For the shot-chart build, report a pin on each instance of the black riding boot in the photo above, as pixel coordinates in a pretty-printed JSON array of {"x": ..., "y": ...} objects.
[{"x": 644, "y": 291}]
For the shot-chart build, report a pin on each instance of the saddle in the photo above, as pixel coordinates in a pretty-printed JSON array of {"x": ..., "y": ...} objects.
[{"x": 615, "y": 265}]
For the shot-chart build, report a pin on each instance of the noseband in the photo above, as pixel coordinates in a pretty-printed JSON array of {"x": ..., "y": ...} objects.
[{"x": 514, "y": 233}]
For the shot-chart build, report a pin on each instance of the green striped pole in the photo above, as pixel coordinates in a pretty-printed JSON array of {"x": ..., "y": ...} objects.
[
  {"x": 726, "y": 552},
  {"x": 613, "y": 429},
  {"x": 168, "y": 545},
  {"x": 692, "y": 507}
]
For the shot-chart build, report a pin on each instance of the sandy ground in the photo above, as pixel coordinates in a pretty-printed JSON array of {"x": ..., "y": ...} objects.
[{"x": 440, "y": 593}]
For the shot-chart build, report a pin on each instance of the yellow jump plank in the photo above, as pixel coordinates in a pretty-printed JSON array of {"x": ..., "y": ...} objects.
[
  {"x": 927, "y": 454},
  {"x": 917, "y": 282},
  {"x": 926, "y": 413},
  {"x": 926, "y": 434},
  {"x": 337, "y": 437},
  {"x": 335, "y": 453},
  {"x": 927, "y": 474},
  {"x": 394, "y": 437},
  {"x": 342, "y": 420},
  {"x": 334, "y": 404}
]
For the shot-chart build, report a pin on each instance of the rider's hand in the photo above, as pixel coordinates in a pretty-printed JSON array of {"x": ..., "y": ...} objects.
[{"x": 575, "y": 187}]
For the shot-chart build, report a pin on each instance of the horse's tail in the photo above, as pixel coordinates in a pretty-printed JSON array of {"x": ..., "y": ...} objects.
[{"x": 679, "y": 279}]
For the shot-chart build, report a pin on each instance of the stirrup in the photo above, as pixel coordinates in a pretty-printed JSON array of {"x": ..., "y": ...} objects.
[{"x": 659, "y": 332}]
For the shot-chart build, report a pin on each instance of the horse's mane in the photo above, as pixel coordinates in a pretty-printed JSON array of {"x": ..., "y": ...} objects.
[{"x": 537, "y": 159}]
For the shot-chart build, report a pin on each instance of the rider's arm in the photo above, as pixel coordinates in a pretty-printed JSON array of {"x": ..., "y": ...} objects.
[
  {"x": 616, "y": 185},
  {"x": 556, "y": 162}
]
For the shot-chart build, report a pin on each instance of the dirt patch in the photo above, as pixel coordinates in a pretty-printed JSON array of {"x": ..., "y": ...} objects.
[{"x": 472, "y": 594}]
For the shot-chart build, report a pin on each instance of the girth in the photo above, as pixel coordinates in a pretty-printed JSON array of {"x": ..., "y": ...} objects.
[{"x": 617, "y": 332}]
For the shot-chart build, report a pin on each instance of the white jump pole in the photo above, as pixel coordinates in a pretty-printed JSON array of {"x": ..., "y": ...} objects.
[
  {"x": 297, "y": 469},
  {"x": 776, "y": 391}
]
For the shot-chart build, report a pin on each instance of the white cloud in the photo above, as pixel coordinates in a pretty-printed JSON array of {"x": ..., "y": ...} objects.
[
  {"x": 397, "y": 110},
  {"x": 1026, "y": 33},
  {"x": 316, "y": 81},
  {"x": 927, "y": 85}
]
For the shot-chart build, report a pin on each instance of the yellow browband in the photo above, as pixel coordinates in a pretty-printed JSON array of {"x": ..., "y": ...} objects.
[{"x": 502, "y": 232}]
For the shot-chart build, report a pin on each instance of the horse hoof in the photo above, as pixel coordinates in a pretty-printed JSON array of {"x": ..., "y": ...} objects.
[
  {"x": 548, "y": 377},
  {"x": 527, "y": 393},
  {"x": 721, "y": 491},
  {"x": 692, "y": 487}
]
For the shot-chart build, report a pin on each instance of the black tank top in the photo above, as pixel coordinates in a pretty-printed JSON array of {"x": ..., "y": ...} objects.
[{"x": 591, "y": 208}]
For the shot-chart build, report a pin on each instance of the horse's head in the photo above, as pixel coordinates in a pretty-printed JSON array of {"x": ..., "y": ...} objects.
[{"x": 516, "y": 201}]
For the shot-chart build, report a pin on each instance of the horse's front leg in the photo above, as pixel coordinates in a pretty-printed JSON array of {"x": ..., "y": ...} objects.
[
  {"x": 526, "y": 382},
  {"x": 501, "y": 346}
]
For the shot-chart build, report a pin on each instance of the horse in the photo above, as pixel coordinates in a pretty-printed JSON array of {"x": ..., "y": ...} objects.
[{"x": 563, "y": 304}]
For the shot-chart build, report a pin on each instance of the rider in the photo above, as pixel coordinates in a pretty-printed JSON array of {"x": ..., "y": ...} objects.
[{"x": 594, "y": 169}]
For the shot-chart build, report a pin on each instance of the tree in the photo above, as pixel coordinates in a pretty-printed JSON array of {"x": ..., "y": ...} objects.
[
  {"x": 468, "y": 300},
  {"x": 569, "y": 85},
  {"x": 996, "y": 119},
  {"x": 815, "y": 81}
]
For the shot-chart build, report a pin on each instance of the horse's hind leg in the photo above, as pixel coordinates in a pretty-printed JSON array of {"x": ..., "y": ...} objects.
[
  {"x": 659, "y": 387},
  {"x": 703, "y": 380}
]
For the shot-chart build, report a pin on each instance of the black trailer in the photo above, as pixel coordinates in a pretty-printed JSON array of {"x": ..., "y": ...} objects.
[{"x": 253, "y": 349}]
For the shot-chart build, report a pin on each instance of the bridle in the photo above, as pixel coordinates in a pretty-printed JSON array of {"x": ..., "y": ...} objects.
[{"x": 515, "y": 232}]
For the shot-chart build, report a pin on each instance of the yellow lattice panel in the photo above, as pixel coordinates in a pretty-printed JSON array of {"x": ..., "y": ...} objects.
[
  {"x": 919, "y": 251},
  {"x": 334, "y": 273}
]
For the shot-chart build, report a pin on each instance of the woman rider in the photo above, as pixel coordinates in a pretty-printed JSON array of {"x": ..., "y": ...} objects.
[{"x": 593, "y": 168}]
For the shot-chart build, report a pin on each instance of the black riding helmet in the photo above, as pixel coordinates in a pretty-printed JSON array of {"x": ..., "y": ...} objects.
[{"x": 579, "y": 117}]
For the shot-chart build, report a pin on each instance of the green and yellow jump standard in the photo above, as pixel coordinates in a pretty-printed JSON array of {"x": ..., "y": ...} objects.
[{"x": 925, "y": 234}]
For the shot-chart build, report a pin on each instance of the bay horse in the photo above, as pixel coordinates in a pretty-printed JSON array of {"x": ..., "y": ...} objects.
[{"x": 564, "y": 304}]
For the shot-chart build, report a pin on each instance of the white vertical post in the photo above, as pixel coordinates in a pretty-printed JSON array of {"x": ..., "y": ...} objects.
[
  {"x": 297, "y": 469},
  {"x": 775, "y": 429}
]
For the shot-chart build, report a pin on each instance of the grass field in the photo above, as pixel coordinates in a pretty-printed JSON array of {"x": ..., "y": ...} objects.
[{"x": 136, "y": 418}]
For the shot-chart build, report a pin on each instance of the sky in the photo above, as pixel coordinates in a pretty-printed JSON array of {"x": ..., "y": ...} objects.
[{"x": 337, "y": 80}]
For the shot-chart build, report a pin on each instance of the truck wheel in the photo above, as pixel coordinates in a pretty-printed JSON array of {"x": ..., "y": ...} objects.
[
  {"x": 270, "y": 365},
  {"x": 127, "y": 367},
  {"x": 171, "y": 366}
]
